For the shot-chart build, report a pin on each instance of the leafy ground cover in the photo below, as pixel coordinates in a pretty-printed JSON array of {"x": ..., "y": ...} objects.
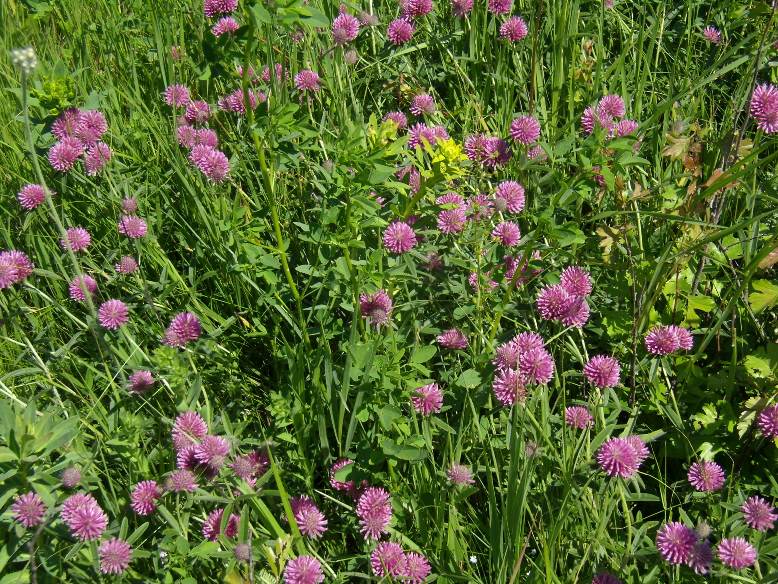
[{"x": 454, "y": 291}]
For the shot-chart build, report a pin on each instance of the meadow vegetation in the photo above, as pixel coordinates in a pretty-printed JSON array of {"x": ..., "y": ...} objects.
[{"x": 388, "y": 291}]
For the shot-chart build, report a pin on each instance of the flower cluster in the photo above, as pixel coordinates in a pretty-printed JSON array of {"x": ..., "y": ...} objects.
[
  {"x": 202, "y": 142},
  {"x": 566, "y": 301},
  {"x": 665, "y": 340},
  {"x": 79, "y": 137},
  {"x": 15, "y": 267},
  {"x": 388, "y": 559},
  {"x": 519, "y": 364},
  {"x": 608, "y": 114}
]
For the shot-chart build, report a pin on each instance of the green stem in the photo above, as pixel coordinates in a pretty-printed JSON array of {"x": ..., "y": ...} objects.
[{"x": 268, "y": 179}]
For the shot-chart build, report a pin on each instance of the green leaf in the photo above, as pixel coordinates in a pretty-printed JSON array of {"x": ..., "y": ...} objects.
[
  {"x": 423, "y": 354},
  {"x": 469, "y": 379},
  {"x": 342, "y": 474},
  {"x": 765, "y": 296},
  {"x": 763, "y": 363},
  {"x": 205, "y": 549},
  {"x": 403, "y": 452},
  {"x": 261, "y": 14},
  {"x": 388, "y": 414}
]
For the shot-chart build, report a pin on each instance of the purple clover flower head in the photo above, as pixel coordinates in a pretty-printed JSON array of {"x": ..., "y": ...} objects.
[
  {"x": 758, "y": 514},
  {"x": 508, "y": 233},
  {"x": 81, "y": 286},
  {"x": 618, "y": 458},
  {"x": 225, "y": 25},
  {"x": 71, "y": 477},
  {"x": 675, "y": 542},
  {"x": 183, "y": 329},
  {"x": 189, "y": 429},
  {"x": 345, "y": 28},
  {"x": 460, "y": 475},
  {"x": 510, "y": 196},
  {"x": 662, "y": 340},
  {"x": 129, "y": 205},
  {"x": 132, "y": 226},
  {"x": 141, "y": 381},
  {"x": 15, "y": 267},
  {"x": 307, "y": 80},
  {"x": 176, "y": 95},
  {"x": 453, "y": 339},
  {"x": 76, "y": 239},
  {"x": 65, "y": 125},
  {"x": 90, "y": 127},
  {"x": 399, "y": 118},
  {"x": 701, "y": 557},
  {"x": 553, "y": 302},
  {"x": 213, "y": 8},
  {"x": 514, "y": 29},
  {"x": 767, "y": 421},
  {"x": 143, "y": 499},
  {"x": 712, "y": 35},
  {"x": 509, "y": 387},
  {"x": 64, "y": 154},
  {"x": 126, "y": 265},
  {"x": 417, "y": 568},
  {"x": 400, "y": 31},
  {"x": 310, "y": 520},
  {"x": 181, "y": 481},
  {"x": 576, "y": 281},
  {"x": 706, "y": 476},
  {"x": 415, "y": 8},
  {"x": 115, "y": 556},
  {"x": 578, "y": 417},
  {"x": 212, "y": 525},
  {"x": 423, "y": 104},
  {"x": 82, "y": 514},
  {"x": 303, "y": 570},
  {"x": 602, "y": 371},
  {"x": 31, "y": 196},
  {"x": 764, "y": 107},
  {"x": 376, "y": 307},
  {"x": 427, "y": 399},
  {"x": 500, "y": 6},
  {"x": 113, "y": 314},
  {"x": 399, "y": 237},
  {"x": 737, "y": 553},
  {"x": 461, "y": 8},
  {"x": 536, "y": 366},
  {"x": 28, "y": 509},
  {"x": 98, "y": 155},
  {"x": 525, "y": 130},
  {"x": 197, "y": 112},
  {"x": 213, "y": 163},
  {"x": 374, "y": 510},
  {"x": 388, "y": 560},
  {"x": 212, "y": 451}
]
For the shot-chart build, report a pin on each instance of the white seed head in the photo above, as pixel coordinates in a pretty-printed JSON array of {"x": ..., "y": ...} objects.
[{"x": 24, "y": 59}]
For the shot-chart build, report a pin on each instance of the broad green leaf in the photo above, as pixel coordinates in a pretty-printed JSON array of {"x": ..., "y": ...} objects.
[
  {"x": 765, "y": 295},
  {"x": 469, "y": 379},
  {"x": 423, "y": 354}
]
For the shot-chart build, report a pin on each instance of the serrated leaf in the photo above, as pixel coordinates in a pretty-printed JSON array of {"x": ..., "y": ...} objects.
[
  {"x": 766, "y": 295},
  {"x": 747, "y": 416}
]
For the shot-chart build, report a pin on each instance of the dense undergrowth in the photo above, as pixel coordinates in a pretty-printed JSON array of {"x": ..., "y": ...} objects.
[{"x": 521, "y": 329}]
